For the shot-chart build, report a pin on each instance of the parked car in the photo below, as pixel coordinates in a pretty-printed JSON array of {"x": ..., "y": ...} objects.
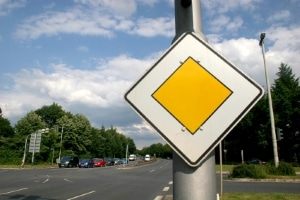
[
  {"x": 132, "y": 157},
  {"x": 99, "y": 162},
  {"x": 117, "y": 161},
  {"x": 147, "y": 157},
  {"x": 256, "y": 161},
  {"x": 109, "y": 161},
  {"x": 124, "y": 161},
  {"x": 69, "y": 161},
  {"x": 86, "y": 163}
]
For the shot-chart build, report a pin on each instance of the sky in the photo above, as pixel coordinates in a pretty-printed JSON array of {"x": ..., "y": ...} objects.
[{"x": 85, "y": 54}]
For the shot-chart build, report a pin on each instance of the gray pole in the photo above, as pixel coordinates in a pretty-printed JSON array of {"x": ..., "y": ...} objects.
[
  {"x": 33, "y": 151},
  {"x": 25, "y": 149},
  {"x": 275, "y": 151},
  {"x": 192, "y": 182},
  {"x": 61, "y": 135}
]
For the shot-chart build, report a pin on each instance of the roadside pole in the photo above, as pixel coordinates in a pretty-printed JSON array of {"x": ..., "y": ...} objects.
[{"x": 192, "y": 182}]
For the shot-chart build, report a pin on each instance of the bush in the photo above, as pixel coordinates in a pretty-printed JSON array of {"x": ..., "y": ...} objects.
[
  {"x": 283, "y": 169},
  {"x": 248, "y": 171}
]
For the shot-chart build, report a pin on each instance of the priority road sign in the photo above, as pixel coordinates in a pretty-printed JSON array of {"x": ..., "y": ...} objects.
[{"x": 193, "y": 97}]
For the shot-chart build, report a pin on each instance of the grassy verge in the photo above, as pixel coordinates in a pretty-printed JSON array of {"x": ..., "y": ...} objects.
[
  {"x": 255, "y": 196},
  {"x": 230, "y": 167}
]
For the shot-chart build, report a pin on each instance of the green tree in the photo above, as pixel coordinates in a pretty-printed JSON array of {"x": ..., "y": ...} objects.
[
  {"x": 6, "y": 130},
  {"x": 50, "y": 114},
  {"x": 286, "y": 95},
  {"x": 29, "y": 124}
]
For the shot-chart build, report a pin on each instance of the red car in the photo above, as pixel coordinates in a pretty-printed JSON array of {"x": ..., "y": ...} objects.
[{"x": 99, "y": 162}]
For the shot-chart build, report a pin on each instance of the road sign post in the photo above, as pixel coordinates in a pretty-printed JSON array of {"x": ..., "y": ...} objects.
[
  {"x": 35, "y": 142},
  {"x": 192, "y": 182},
  {"x": 193, "y": 97}
]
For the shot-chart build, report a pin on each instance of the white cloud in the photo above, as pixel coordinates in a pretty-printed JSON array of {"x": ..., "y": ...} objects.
[
  {"x": 224, "y": 22},
  {"x": 6, "y": 6},
  {"x": 150, "y": 27},
  {"x": 93, "y": 22},
  {"x": 220, "y": 6},
  {"x": 282, "y": 46},
  {"x": 102, "y": 87},
  {"x": 116, "y": 7},
  {"x": 278, "y": 16},
  {"x": 71, "y": 21}
]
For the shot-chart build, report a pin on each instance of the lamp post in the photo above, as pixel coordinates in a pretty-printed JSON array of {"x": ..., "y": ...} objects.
[{"x": 274, "y": 141}]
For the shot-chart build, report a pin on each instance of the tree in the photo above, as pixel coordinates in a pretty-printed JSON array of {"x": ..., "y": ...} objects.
[
  {"x": 6, "y": 130},
  {"x": 50, "y": 114},
  {"x": 286, "y": 95},
  {"x": 29, "y": 124}
]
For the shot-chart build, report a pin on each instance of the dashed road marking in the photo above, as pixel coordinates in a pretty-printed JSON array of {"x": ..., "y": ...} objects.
[
  {"x": 81, "y": 195},
  {"x": 13, "y": 191}
]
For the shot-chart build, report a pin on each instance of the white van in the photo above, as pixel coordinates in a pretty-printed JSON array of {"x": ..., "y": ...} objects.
[
  {"x": 147, "y": 157},
  {"x": 132, "y": 157}
]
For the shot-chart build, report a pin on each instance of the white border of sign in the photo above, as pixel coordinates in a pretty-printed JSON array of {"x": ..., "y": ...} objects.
[{"x": 194, "y": 148}]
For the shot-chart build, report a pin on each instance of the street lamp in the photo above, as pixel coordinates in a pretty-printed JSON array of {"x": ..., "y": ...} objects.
[{"x": 275, "y": 151}]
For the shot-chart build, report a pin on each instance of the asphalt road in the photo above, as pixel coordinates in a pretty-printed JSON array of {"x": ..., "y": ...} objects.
[
  {"x": 151, "y": 181},
  {"x": 113, "y": 182}
]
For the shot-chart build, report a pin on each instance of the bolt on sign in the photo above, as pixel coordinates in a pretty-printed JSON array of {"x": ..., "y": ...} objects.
[{"x": 193, "y": 97}]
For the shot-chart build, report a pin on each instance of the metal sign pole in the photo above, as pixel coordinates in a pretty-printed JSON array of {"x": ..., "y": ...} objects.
[{"x": 192, "y": 182}]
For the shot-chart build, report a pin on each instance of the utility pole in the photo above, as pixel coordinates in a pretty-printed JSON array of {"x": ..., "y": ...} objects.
[
  {"x": 273, "y": 130},
  {"x": 192, "y": 182}
]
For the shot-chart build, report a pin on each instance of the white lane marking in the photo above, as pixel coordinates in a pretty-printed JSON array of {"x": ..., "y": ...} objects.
[
  {"x": 152, "y": 170},
  {"x": 45, "y": 181},
  {"x": 171, "y": 182},
  {"x": 13, "y": 191},
  {"x": 166, "y": 189},
  {"x": 159, "y": 198},
  {"x": 67, "y": 180},
  {"x": 81, "y": 195}
]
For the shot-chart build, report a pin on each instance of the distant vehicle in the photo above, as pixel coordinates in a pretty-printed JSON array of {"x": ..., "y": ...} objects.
[
  {"x": 109, "y": 161},
  {"x": 256, "y": 161},
  {"x": 123, "y": 161},
  {"x": 99, "y": 162},
  {"x": 86, "y": 163},
  {"x": 117, "y": 161},
  {"x": 147, "y": 157},
  {"x": 69, "y": 161},
  {"x": 132, "y": 157}
]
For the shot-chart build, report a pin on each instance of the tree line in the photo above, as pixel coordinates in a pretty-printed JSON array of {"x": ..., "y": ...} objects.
[
  {"x": 252, "y": 135},
  {"x": 69, "y": 134}
]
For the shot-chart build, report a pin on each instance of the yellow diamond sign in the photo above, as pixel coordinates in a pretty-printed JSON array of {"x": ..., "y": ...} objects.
[
  {"x": 191, "y": 94},
  {"x": 193, "y": 97}
]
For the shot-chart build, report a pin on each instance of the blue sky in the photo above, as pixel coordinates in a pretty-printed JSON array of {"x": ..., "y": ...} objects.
[{"x": 85, "y": 54}]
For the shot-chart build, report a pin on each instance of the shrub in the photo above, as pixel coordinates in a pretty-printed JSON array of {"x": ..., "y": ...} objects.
[
  {"x": 283, "y": 169},
  {"x": 248, "y": 171}
]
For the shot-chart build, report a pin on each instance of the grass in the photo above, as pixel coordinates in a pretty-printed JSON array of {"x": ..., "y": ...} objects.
[{"x": 260, "y": 196}]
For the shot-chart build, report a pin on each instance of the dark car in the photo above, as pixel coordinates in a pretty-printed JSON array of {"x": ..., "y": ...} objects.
[
  {"x": 99, "y": 162},
  {"x": 69, "y": 161},
  {"x": 256, "y": 161},
  {"x": 86, "y": 163},
  {"x": 109, "y": 161}
]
